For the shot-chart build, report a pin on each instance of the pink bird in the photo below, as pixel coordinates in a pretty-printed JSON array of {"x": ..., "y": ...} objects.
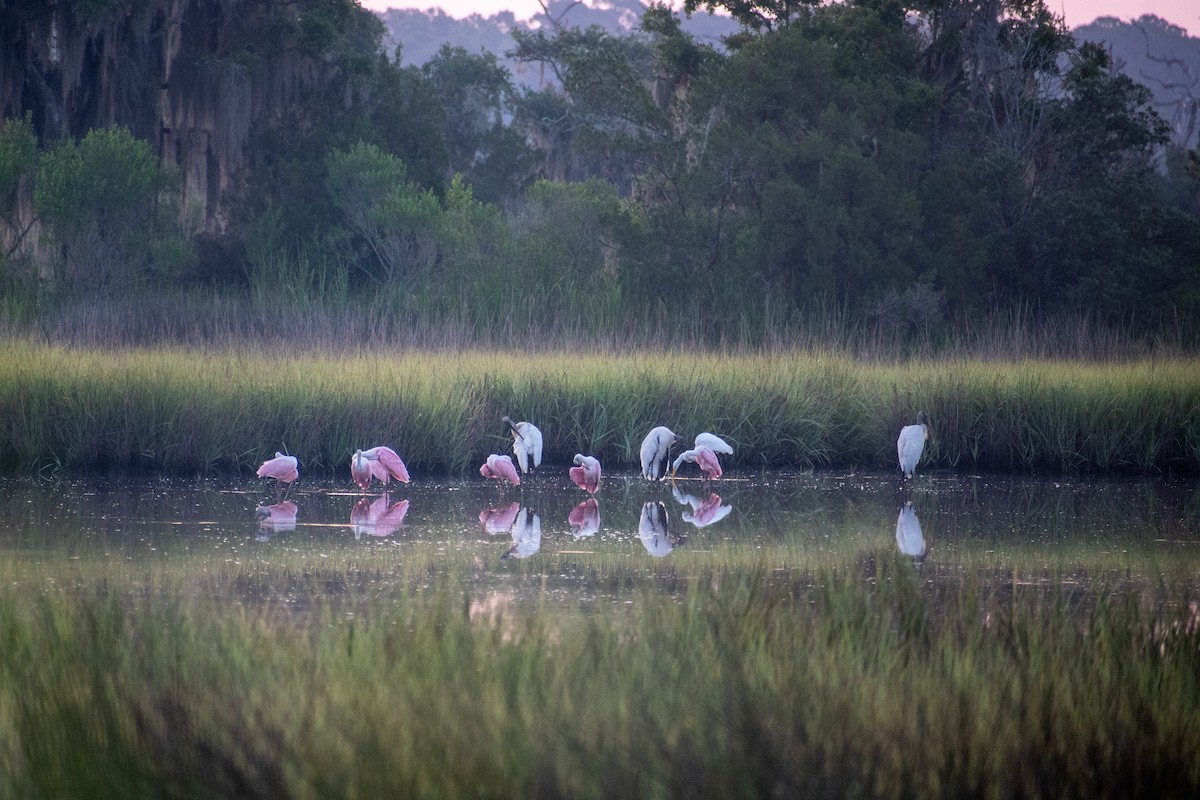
[
  {"x": 284, "y": 469},
  {"x": 501, "y": 468},
  {"x": 378, "y": 462},
  {"x": 703, "y": 457},
  {"x": 587, "y": 475}
]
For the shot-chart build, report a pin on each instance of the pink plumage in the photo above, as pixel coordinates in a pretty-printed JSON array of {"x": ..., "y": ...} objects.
[
  {"x": 706, "y": 459},
  {"x": 500, "y": 468},
  {"x": 587, "y": 475},
  {"x": 284, "y": 469},
  {"x": 381, "y": 463}
]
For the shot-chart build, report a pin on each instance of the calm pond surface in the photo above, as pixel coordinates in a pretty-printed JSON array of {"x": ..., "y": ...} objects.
[{"x": 1147, "y": 531}]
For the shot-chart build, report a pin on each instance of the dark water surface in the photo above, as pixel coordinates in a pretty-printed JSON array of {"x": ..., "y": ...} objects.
[{"x": 549, "y": 541}]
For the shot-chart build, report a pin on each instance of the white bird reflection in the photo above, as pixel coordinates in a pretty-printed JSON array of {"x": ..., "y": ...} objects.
[
  {"x": 526, "y": 535},
  {"x": 704, "y": 512},
  {"x": 585, "y": 518},
  {"x": 378, "y": 517},
  {"x": 654, "y": 530},
  {"x": 499, "y": 519},
  {"x": 908, "y": 533},
  {"x": 276, "y": 518}
]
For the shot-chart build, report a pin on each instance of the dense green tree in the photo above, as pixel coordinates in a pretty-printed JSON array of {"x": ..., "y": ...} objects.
[{"x": 104, "y": 201}]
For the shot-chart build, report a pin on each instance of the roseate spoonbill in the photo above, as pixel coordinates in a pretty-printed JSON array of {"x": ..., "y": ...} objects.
[
  {"x": 703, "y": 457},
  {"x": 527, "y": 443},
  {"x": 587, "y": 474},
  {"x": 283, "y": 469},
  {"x": 378, "y": 462},
  {"x": 584, "y": 518},
  {"x": 501, "y": 468},
  {"x": 908, "y": 533},
  {"x": 911, "y": 442},
  {"x": 714, "y": 443},
  {"x": 656, "y": 448}
]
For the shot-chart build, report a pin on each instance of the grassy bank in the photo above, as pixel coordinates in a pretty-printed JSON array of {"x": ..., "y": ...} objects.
[
  {"x": 729, "y": 686},
  {"x": 196, "y": 411}
]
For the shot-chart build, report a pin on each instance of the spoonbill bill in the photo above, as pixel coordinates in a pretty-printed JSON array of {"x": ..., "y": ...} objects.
[
  {"x": 656, "y": 449},
  {"x": 501, "y": 468},
  {"x": 527, "y": 443},
  {"x": 378, "y": 462},
  {"x": 911, "y": 442},
  {"x": 586, "y": 474}
]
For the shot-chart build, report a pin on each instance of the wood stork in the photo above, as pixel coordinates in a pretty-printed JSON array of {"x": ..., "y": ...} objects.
[
  {"x": 911, "y": 442},
  {"x": 527, "y": 443}
]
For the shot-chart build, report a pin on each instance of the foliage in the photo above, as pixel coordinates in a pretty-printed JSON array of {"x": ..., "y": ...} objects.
[{"x": 105, "y": 201}]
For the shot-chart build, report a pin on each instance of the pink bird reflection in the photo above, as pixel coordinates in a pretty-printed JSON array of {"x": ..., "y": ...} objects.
[
  {"x": 585, "y": 518},
  {"x": 378, "y": 517},
  {"x": 499, "y": 520},
  {"x": 278, "y": 517}
]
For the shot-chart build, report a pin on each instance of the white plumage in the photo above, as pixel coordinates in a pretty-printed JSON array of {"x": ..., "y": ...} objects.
[
  {"x": 656, "y": 447},
  {"x": 911, "y": 442},
  {"x": 527, "y": 443},
  {"x": 714, "y": 443}
]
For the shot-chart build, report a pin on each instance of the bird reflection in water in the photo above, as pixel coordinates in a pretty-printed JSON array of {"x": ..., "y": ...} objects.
[
  {"x": 654, "y": 530},
  {"x": 378, "y": 517},
  {"x": 585, "y": 519},
  {"x": 908, "y": 534},
  {"x": 276, "y": 518},
  {"x": 499, "y": 519},
  {"x": 703, "y": 512},
  {"x": 526, "y": 535}
]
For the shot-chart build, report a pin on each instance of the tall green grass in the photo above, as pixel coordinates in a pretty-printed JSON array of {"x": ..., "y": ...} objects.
[
  {"x": 198, "y": 411},
  {"x": 830, "y": 683}
]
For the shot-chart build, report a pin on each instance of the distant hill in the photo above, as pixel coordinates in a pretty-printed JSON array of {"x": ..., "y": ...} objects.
[
  {"x": 421, "y": 33},
  {"x": 1150, "y": 50},
  {"x": 1161, "y": 56}
]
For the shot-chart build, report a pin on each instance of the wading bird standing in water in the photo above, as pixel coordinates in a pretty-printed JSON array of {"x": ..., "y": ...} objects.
[
  {"x": 656, "y": 448},
  {"x": 284, "y": 469},
  {"x": 501, "y": 468},
  {"x": 527, "y": 443},
  {"x": 702, "y": 457},
  {"x": 714, "y": 443},
  {"x": 587, "y": 474},
  {"x": 378, "y": 462},
  {"x": 911, "y": 442}
]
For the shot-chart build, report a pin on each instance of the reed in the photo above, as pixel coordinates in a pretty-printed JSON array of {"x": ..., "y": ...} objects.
[
  {"x": 200, "y": 411},
  {"x": 729, "y": 684}
]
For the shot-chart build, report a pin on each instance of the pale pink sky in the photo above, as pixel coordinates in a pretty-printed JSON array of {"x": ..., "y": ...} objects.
[{"x": 1184, "y": 13}]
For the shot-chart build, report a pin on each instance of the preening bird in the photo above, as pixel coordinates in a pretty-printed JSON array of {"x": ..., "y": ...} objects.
[
  {"x": 378, "y": 462},
  {"x": 501, "y": 468},
  {"x": 284, "y": 469},
  {"x": 527, "y": 443},
  {"x": 587, "y": 474},
  {"x": 656, "y": 449},
  {"x": 714, "y": 443},
  {"x": 703, "y": 457},
  {"x": 911, "y": 442}
]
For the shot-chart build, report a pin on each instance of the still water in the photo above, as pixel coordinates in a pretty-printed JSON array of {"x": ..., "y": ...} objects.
[{"x": 940, "y": 524}]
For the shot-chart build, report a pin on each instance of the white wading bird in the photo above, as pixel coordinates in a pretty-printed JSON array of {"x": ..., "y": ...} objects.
[
  {"x": 656, "y": 448},
  {"x": 527, "y": 443},
  {"x": 911, "y": 442}
]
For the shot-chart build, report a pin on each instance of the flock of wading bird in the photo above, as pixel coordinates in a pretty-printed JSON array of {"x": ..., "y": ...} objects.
[{"x": 384, "y": 464}]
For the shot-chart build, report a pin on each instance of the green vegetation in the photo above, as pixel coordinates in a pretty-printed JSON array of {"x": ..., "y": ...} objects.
[
  {"x": 194, "y": 411},
  {"x": 907, "y": 167},
  {"x": 359, "y": 679}
]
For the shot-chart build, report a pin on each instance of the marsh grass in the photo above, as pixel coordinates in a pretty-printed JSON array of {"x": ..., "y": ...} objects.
[
  {"x": 731, "y": 683},
  {"x": 191, "y": 411}
]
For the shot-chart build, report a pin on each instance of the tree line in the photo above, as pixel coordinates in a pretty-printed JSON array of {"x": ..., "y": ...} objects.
[{"x": 915, "y": 163}]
